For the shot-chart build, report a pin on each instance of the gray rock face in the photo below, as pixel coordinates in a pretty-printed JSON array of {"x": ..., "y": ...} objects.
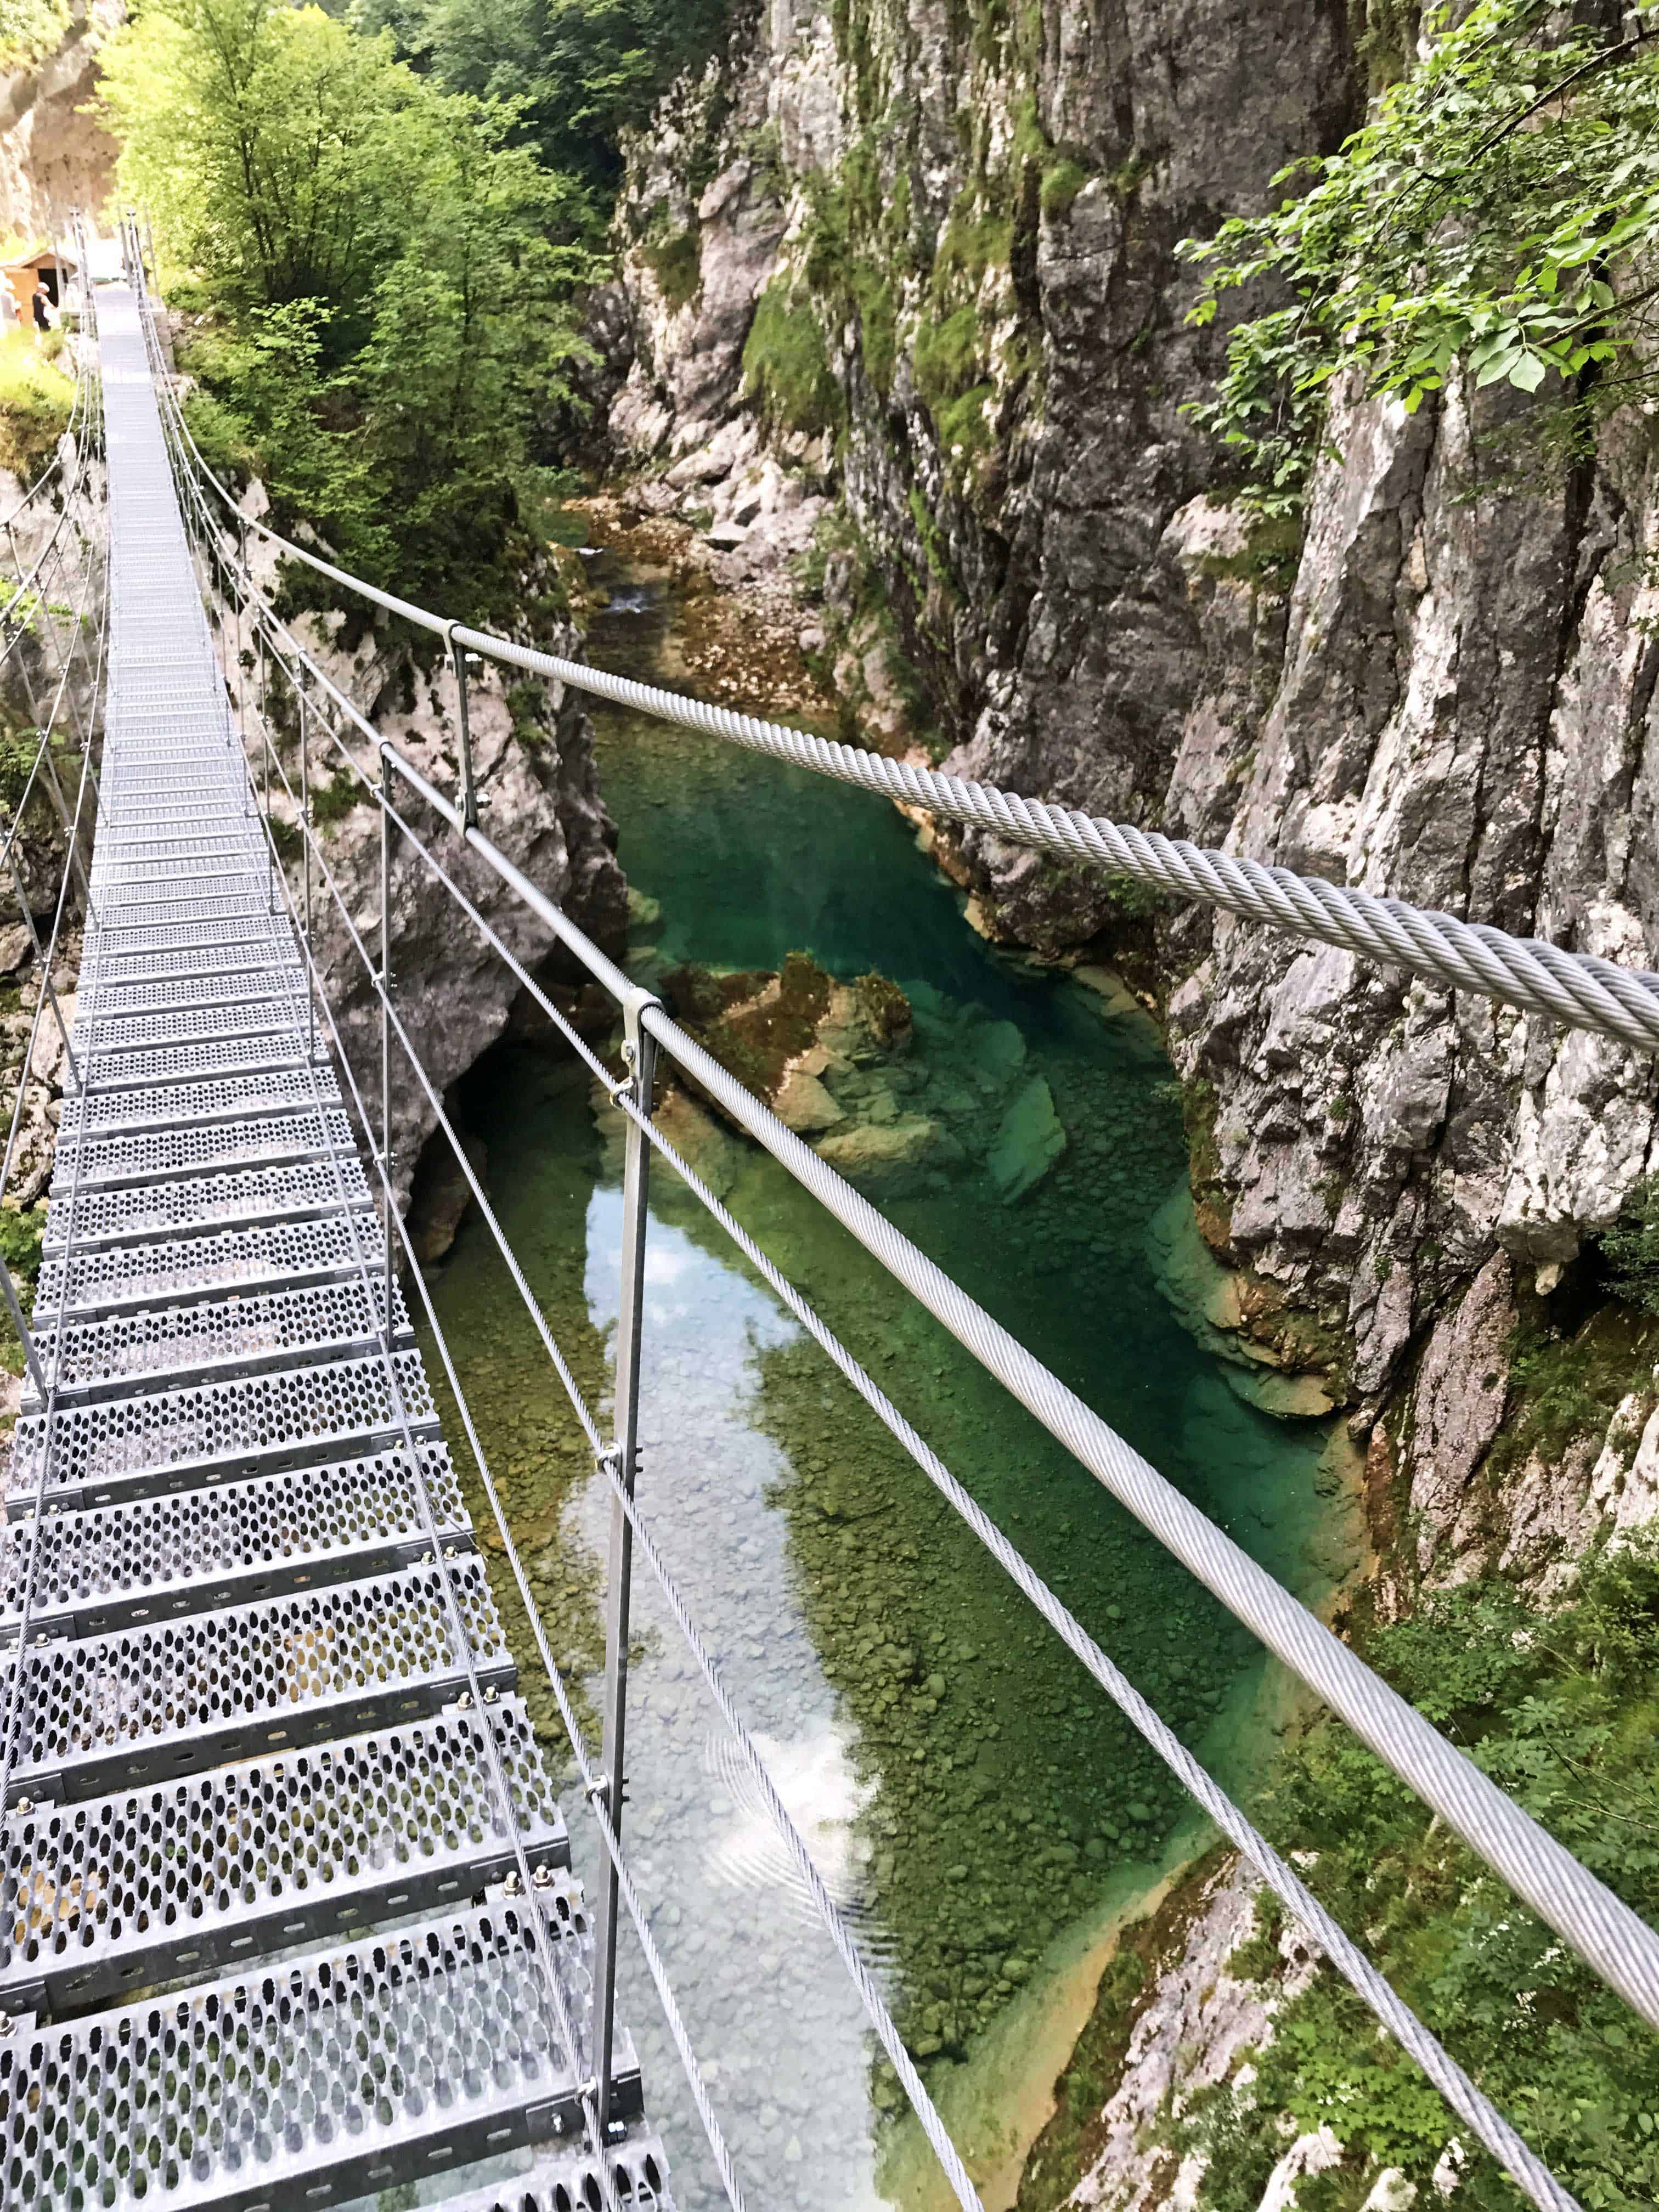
[
  {"x": 1447, "y": 696},
  {"x": 54, "y": 153},
  {"x": 541, "y": 807}
]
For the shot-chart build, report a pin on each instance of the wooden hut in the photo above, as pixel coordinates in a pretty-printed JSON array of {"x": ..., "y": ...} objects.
[{"x": 46, "y": 267}]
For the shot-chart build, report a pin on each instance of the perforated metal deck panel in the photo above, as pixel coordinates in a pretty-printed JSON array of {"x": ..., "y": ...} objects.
[
  {"x": 110, "y": 1712},
  {"x": 115, "y": 1279},
  {"x": 233, "y": 1546},
  {"x": 97, "y": 1899},
  {"x": 213, "y": 1102},
  {"x": 145, "y": 1442},
  {"x": 568, "y": 2182},
  {"x": 119, "y": 1566},
  {"x": 132, "y": 998},
  {"x": 309, "y": 2083},
  {"x": 217, "y": 1338}
]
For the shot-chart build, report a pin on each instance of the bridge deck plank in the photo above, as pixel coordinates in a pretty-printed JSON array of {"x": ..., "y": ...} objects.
[{"x": 244, "y": 1721}]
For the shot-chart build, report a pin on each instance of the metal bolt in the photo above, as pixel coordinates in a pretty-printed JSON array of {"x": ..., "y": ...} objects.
[
  {"x": 464, "y": 1702},
  {"x": 450, "y": 1552},
  {"x": 489, "y": 1695},
  {"x": 510, "y": 1884},
  {"x": 24, "y": 1805},
  {"x": 543, "y": 1877},
  {"x": 6, "y": 2023}
]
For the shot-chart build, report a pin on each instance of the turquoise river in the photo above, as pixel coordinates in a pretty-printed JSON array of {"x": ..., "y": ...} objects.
[{"x": 976, "y": 1804}]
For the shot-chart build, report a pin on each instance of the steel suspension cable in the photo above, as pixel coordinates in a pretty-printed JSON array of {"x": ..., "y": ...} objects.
[
  {"x": 1604, "y": 1931},
  {"x": 1470, "y": 2104}
]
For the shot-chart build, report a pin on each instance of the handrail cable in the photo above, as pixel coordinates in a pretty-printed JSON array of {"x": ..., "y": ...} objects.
[
  {"x": 48, "y": 1387},
  {"x": 1484, "y": 2121},
  {"x": 1579, "y": 989},
  {"x": 1613, "y": 1939},
  {"x": 1488, "y": 2125}
]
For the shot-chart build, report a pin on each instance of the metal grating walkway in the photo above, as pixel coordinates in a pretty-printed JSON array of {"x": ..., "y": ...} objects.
[{"x": 264, "y": 1939}]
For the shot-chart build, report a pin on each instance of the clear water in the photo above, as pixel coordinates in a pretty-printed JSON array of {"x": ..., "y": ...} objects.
[{"x": 970, "y": 1797}]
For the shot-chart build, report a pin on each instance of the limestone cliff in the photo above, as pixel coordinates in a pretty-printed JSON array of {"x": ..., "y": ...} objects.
[
  {"x": 903, "y": 279},
  {"x": 53, "y": 154},
  {"x": 539, "y": 796}
]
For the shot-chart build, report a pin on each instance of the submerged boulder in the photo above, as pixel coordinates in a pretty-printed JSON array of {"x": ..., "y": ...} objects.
[{"x": 1030, "y": 1139}]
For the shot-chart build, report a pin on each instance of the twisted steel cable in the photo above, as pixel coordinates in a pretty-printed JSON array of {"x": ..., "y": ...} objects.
[
  {"x": 1574, "y": 988},
  {"x": 1577, "y": 988}
]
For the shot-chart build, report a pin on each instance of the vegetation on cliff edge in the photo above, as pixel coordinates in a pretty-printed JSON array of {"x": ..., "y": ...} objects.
[
  {"x": 1496, "y": 214},
  {"x": 1559, "y": 1710}
]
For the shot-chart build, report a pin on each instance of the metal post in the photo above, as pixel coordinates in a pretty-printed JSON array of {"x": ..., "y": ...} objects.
[
  {"x": 640, "y": 1052},
  {"x": 305, "y": 846},
  {"x": 469, "y": 785},
  {"x": 386, "y": 1019},
  {"x": 241, "y": 602},
  {"x": 270, "y": 842}
]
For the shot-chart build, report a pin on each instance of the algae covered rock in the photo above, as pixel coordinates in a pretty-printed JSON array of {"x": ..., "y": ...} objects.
[
  {"x": 1029, "y": 1139},
  {"x": 887, "y": 1155}
]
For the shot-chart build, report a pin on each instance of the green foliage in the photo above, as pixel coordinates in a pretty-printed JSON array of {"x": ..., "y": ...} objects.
[
  {"x": 677, "y": 265},
  {"x": 1565, "y": 1387},
  {"x": 785, "y": 365},
  {"x": 30, "y": 28},
  {"x": 36, "y": 398},
  {"x": 1496, "y": 214},
  {"x": 1061, "y": 183},
  {"x": 23, "y": 1233},
  {"x": 575, "y": 73},
  {"x": 1560, "y": 1711},
  {"x": 388, "y": 280},
  {"x": 1630, "y": 1248}
]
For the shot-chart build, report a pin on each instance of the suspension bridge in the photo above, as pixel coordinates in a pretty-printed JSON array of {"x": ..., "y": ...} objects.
[{"x": 286, "y": 1913}]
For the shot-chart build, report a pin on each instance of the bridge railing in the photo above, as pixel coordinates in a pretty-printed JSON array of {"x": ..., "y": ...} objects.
[
  {"x": 1612, "y": 1939},
  {"x": 53, "y": 634},
  {"x": 70, "y": 634}
]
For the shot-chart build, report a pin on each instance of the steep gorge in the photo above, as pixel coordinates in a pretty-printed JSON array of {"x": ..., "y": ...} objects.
[
  {"x": 907, "y": 279},
  {"x": 901, "y": 286}
]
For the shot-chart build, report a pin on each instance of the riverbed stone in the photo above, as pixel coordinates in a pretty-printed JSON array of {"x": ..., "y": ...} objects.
[
  {"x": 1029, "y": 1139},
  {"x": 884, "y": 1154},
  {"x": 803, "y": 1103}
]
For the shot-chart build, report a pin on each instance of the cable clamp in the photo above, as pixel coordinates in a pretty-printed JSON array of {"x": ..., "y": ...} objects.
[{"x": 598, "y": 1790}]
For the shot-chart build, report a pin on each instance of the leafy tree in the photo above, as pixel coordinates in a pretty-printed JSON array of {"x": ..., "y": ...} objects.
[
  {"x": 388, "y": 279},
  {"x": 273, "y": 147},
  {"x": 577, "y": 72},
  {"x": 29, "y": 28},
  {"x": 1497, "y": 210}
]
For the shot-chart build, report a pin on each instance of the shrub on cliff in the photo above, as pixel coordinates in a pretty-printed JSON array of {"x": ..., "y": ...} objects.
[
  {"x": 1496, "y": 214},
  {"x": 1630, "y": 1248}
]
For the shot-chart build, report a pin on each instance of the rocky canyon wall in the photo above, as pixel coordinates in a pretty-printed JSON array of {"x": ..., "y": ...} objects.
[
  {"x": 54, "y": 156},
  {"x": 903, "y": 280}
]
